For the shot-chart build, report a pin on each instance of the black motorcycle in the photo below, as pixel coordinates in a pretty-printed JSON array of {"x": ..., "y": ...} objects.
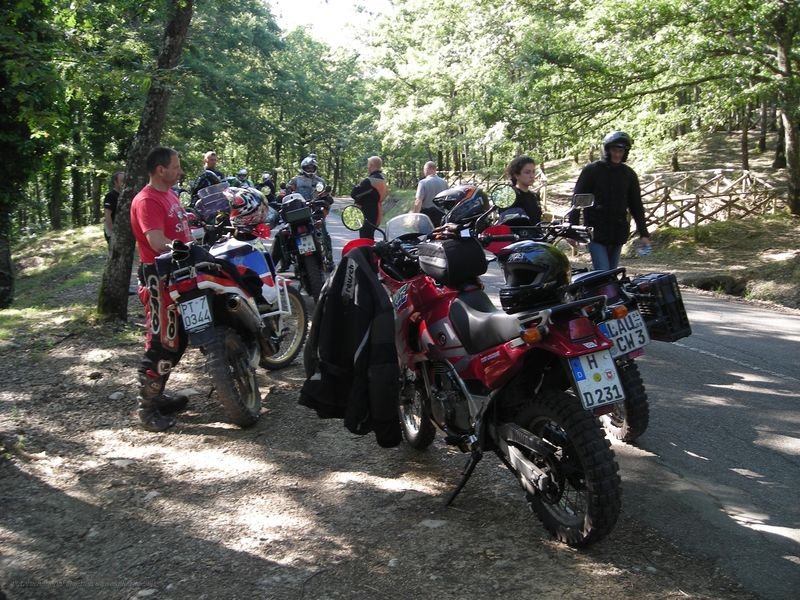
[{"x": 300, "y": 239}]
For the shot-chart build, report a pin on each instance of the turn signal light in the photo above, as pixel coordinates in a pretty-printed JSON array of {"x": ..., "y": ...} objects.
[
  {"x": 532, "y": 335},
  {"x": 619, "y": 312}
]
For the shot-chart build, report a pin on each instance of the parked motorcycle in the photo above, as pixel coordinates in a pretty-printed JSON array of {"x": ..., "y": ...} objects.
[
  {"x": 234, "y": 307},
  {"x": 281, "y": 306},
  {"x": 526, "y": 386},
  {"x": 628, "y": 420},
  {"x": 300, "y": 239}
]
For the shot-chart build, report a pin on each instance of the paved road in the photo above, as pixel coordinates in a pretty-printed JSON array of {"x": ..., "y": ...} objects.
[{"x": 718, "y": 470}]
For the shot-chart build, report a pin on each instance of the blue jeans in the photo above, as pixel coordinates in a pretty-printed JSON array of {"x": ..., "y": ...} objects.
[{"x": 604, "y": 257}]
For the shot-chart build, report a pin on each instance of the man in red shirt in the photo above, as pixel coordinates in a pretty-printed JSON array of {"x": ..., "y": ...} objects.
[{"x": 157, "y": 218}]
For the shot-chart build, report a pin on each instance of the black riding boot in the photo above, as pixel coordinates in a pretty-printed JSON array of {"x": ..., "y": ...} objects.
[
  {"x": 150, "y": 417},
  {"x": 170, "y": 403}
]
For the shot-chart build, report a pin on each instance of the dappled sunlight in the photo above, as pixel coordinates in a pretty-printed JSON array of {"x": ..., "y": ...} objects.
[
  {"x": 777, "y": 442},
  {"x": 211, "y": 464},
  {"x": 693, "y": 455},
  {"x": 747, "y": 473},
  {"x": 759, "y": 522},
  {"x": 406, "y": 482}
]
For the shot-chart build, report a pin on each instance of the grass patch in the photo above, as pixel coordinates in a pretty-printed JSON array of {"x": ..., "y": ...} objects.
[{"x": 59, "y": 266}]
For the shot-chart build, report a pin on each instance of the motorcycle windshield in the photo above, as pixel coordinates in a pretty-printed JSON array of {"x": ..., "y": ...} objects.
[{"x": 408, "y": 226}]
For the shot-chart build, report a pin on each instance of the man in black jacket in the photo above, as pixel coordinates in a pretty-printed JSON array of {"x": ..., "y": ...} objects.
[
  {"x": 616, "y": 190},
  {"x": 369, "y": 195}
]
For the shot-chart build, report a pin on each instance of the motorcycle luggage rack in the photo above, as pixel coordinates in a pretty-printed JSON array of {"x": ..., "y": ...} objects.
[{"x": 545, "y": 316}]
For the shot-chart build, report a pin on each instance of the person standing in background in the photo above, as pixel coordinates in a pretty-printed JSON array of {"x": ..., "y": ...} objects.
[
  {"x": 616, "y": 194},
  {"x": 110, "y": 204},
  {"x": 427, "y": 188},
  {"x": 369, "y": 195},
  {"x": 522, "y": 173}
]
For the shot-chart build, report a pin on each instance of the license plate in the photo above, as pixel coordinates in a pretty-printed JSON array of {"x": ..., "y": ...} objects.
[
  {"x": 195, "y": 313},
  {"x": 628, "y": 334},
  {"x": 596, "y": 379},
  {"x": 305, "y": 244}
]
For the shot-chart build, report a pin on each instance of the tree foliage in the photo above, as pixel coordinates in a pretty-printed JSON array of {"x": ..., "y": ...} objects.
[{"x": 468, "y": 83}]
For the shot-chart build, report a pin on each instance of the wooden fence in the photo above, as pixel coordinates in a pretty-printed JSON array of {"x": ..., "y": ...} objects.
[
  {"x": 690, "y": 198},
  {"x": 682, "y": 199}
]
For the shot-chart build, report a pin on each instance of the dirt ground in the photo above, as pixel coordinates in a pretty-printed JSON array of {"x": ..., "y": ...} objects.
[{"x": 294, "y": 507}]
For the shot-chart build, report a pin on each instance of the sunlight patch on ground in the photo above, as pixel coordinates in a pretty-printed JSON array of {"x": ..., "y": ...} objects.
[
  {"x": 772, "y": 255},
  {"x": 747, "y": 473},
  {"x": 779, "y": 443},
  {"x": 212, "y": 463},
  {"x": 757, "y": 523},
  {"x": 401, "y": 484}
]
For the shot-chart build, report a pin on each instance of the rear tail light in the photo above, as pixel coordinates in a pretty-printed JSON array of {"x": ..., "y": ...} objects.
[{"x": 581, "y": 328}]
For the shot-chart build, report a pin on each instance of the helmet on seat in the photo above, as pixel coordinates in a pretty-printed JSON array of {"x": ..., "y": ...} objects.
[
  {"x": 462, "y": 203},
  {"x": 535, "y": 274},
  {"x": 617, "y": 139},
  {"x": 309, "y": 164},
  {"x": 248, "y": 208}
]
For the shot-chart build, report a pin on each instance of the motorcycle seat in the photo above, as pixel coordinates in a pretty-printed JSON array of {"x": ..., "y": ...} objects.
[{"x": 479, "y": 324}]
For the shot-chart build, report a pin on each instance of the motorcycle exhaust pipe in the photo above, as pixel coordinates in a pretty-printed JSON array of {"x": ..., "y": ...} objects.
[{"x": 245, "y": 313}]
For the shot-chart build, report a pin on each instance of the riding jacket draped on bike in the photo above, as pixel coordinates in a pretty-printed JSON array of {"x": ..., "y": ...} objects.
[{"x": 352, "y": 338}]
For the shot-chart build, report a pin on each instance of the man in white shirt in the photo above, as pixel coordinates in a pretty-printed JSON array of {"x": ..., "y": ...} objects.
[{"x": 427, "y": 189}]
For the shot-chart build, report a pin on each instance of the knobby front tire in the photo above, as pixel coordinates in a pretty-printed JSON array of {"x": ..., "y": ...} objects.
[{"x": 291, "y": 331}]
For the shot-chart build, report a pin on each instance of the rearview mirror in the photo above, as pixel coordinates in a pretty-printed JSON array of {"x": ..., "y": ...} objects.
[
  {"x": 352, "y": 217},
  {"x": 503, "y": 196}
]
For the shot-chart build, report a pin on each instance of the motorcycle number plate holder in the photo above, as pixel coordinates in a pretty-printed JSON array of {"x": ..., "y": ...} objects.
[
  {"x": 305, "y": 244},
  {"x": 196, "y": 314},
  {"x": 628, "y": 334},
  {"x": 596, "y": 379}
]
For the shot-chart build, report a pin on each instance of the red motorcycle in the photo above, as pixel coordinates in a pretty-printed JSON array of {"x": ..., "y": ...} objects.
[
  {"x": 651, "y": 313},
  {"x": 526, "y": 386}
]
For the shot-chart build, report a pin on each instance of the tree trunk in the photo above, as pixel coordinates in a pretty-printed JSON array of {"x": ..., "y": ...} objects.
[
  {"x": 786, "y": 29},
  {"x": 792, "y": 160},
  {"x": 97, "y": 208},
  {"x": 674, "y": 160},
  {"x": 745, "y": 148},
  {"x": 113, "y": 297},
  {"x": 779, "y": 162},
  {"x": 56, "y": 200},
  {"x": 77, "y": 196},
  {"x": 762, "y": 136}
]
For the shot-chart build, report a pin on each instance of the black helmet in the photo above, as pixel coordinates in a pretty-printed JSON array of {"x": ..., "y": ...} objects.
[
  {"x": 206, "y": 179},
  {"x": 535, "y": 275},
  {"x": 462, "y": 203},
  {"x": 617, "y": 139},
  {"x": 309, "y": 164}
]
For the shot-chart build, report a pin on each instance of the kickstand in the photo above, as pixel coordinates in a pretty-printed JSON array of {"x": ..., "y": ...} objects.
[{"x": 473, "y": 461}]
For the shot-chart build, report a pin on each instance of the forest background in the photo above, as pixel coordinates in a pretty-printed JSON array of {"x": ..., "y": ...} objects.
[{"x": 87, "y": 87}]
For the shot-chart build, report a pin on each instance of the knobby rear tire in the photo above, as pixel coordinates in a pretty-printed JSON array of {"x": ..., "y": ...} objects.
[
  {"x": 629, "y": 419},
  {"x": 231, "y": 369},
  {"x": 313, "y": 275},
  {"x": 585, "y": 495}
]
